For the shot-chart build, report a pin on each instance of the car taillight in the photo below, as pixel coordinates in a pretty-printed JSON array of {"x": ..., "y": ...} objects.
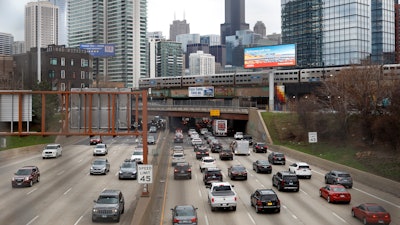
[
  {"x": 189, "y": 170},
  {"x": 212, "y": 199},
  {"x": 176, "y": 220},
  {"x": 175, "y": 170},
  {"x": 194, "y": 220},
  {"x": 235, "y": 198},
  {"x": 259, "y": 202}
]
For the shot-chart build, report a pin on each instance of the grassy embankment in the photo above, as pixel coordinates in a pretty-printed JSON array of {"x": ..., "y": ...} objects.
[
  {"x": 17, "y": 142},
  {"x": 377, "y": 160}
]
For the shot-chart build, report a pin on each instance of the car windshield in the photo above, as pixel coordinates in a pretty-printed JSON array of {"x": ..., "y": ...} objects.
[
  {"x": 184, "y": 211},
  {"x": 290, "y": 178},
  {"x": 51, "y": 147},
  {"x": 100, "y": 146},
  {"x": 98, "y": 162},
  {"x": 260, "y": 144},
  {"x": 23, "y": 172},
  {"x": 304, "y": 167},
  {"x": 343, "y": 175},
  {"x": 128, "y": 165},
  {"x": 279, "y": 154},
  {"x": 222, "y": 188},
  {"x": 178, "y": 155},
  {"x": 208, "y": 160},
  {"x": 241, "y": 169},
  {"x": 263, "y": 162},
  {"x": 268, "y": 197},
  {"x": 339, "y": 189},
  {"x": 376, "y": 208},
  {"x": 107, "y": 200},
  {"x": 137, "y": 153}
]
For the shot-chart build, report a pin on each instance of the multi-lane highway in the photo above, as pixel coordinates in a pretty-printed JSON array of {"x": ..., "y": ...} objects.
[
  {"x": 66, "y": 191},
  {"x": 303, "y": 208}
]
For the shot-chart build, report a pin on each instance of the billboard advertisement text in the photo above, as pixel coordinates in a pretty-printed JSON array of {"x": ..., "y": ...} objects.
[
  {"x": 99, "y": 50},
  {"x": 270, "y": 56}
]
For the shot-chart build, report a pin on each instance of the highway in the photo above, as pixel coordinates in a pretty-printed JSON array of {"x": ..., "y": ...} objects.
[
  {"x": 303, "y": 208},
  {"x": 66, "y": 191}
]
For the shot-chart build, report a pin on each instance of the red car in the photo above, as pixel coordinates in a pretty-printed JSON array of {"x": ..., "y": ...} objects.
[
  {"x": 95, "y": 140},
  {"x": 26, "y": 176},
  {"x": 371, "y": 213},
  {"x": 335, "y": 193}
]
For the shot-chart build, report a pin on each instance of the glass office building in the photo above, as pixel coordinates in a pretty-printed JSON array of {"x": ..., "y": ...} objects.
[{"x": 339, "y": 32}]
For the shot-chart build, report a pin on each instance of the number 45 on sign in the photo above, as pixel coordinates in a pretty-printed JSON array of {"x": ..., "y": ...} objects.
[{"x": 145, "y": 174}]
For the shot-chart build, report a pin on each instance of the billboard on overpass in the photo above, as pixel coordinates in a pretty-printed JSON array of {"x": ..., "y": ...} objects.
[
  {"x": 270, "y": 56},
  {"x": 99, "y": 50},
  {"x": 201, "y": 91}
]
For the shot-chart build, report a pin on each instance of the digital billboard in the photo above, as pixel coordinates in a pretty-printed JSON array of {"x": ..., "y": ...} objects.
[
  {"x": 99, "y": 50},
  {"x": 201, "y": 91},
  {"x": 270, "y": 56}
]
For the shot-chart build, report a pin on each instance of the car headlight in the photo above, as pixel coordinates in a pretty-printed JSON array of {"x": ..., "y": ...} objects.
[
  {"x": 95, "y": 210},
  {"x": 115, "y": 210}
]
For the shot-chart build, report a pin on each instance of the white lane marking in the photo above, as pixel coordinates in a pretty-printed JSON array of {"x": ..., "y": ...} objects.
[
  {"x": 80, "y": 218},
  {"x": 251, "y": 218},
  {"x": 200, "y": 194},
  {"x": 31, "y": 191},
  {"x": 66, "y": 192},
  {"x": 206, "y": 219},
  {"x": 304, "y": 192},
  {"x": 32, "y": 220},
  {"x": 340, "y": 218},
  {"x": 374, "y": 196},
  {"x": 61, "y": 172},
  {"x": 292, "y": 214}
]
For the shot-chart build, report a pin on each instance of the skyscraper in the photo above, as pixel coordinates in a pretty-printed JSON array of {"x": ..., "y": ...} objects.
[
  {"x": 120, "y": 22},
  {"x": 178, "y": 27},
  {"x": 62, "y": 21},
  {"x": 6, "y": 41},
  {"x": 259, "y": 28},
  {"x": 234, "y": 18},
  {"x": 48, "y": 24}
]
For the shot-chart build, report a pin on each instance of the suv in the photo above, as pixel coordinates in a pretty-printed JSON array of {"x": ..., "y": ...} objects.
[
  {"x": 109, "y": 205},
  {"x": 100, "y": 149},
  {"x": 212, "y": 174},
  {"x": 207, "y": 162},
  {"x": 201, "y": 152},
  {"x": 339, "y": 177},
  {"x": 285, "y": 180},
  {"x": 237, "y": 172},
  {"x": 100, "y": 166},
  {"x": 277, "y": 158},
  {"x": 177, "y": 157},
  {"x": 52, "y": 151},
  {"x": 26, "y": 176},
  {"x": 226, "y": 153},
  {"x": 128, "y": 170},
  {"x": 184, "y": 214},
  {"x": 301, "y": 169},
  {"x": 260, "y": 147},
  {"x": 182, "y": 169},
  {"x": 265, "y": 199}
]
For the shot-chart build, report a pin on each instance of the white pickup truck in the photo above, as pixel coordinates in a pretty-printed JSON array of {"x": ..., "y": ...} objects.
[{"x": 221, "y": 195}]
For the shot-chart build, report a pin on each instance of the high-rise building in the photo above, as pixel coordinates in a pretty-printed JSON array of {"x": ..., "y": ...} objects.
[
  {"x": 169, "y": 60},
  {"x": 235, "y": 45},
  {"x": 120, "y": 22},
  {"x": 234, "y": 18},
  {"x": 259, "y": 28},
  {"x": 48, "y": 21},
  {"x": 334, "y": 33},
  {"x": 18, "y": 47},
  {"x": 62, "y": 21},
  {"x": 178, "y": 27},
  {"x": 6, "y": 41},
  {"x": 201, "y": 63},
  {"x": 186, "y": 39},
  {"x": 210, "y": 39},
  {"x": 219, "y": 52}
]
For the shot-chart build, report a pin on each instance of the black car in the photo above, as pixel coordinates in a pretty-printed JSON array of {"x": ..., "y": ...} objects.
[
  {"x": 226, "y": 153},
  {"x": 215, "y": 148},
  {"x": 212, "y": 174},
  {"x": 184, "y": 214},
  {"x": 182, "y": 170},
  {"x": 339, "y": 177},
  {"x": 265, "y": 200},
  {"x": 262, "y": 166},
  {"x": 201, "y": 152},
  {"x": 260, "y": 147},
  {"x": 277, "y": 158},
  {"x": 285, "y": 180},
  {"x": 249, "y": 138},
  {"x": 237, "y": 172}
]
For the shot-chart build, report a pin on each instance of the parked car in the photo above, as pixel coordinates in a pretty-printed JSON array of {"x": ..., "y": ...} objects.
[
  {"x": 207, "y": 162},
  {"x": 177, "y": 157},
  {"x": 100, "y": 149},
  {"x": 109, "y": 206},
  {"x": 100, "y": 166},
  {"x": 183, "y": 170},
  {"x": 151, "y": 140},
  {"x": 265, "y": 199},
  {"x": 184, "y": 214},
  {"x": 212, "y": 174},
  {"x": 260, "y": 147},
  {"x": 339, "y": 177},
  {"x": 52, "y": 151},
  {"x": 285, "y": 180},
  {"x": 26, "y": 176},
  {"x": 237, "y": 172},
  {"x": 95, "y": 140},
  {"x": 277, "y": 158},
  {"x": 301, "y": 169},
  {"x": 335, "y": 193},
  {"x": 226, "y": 153},
  {"x": 371, "y": 213},
  {"x": 197, "y": 141},
  {"x": 128, "y": 170},
  {"x": 262, "y": 166}
]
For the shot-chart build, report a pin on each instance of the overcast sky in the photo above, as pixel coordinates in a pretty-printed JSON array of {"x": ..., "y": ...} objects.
[{"x": 204, "y": 16}]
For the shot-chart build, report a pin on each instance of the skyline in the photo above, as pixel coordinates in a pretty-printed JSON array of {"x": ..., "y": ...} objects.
[{"x": 161, "y": 13}]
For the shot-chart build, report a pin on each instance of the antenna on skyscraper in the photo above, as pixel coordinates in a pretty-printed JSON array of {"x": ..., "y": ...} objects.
[
  {"x": 184, "y": 15},
  {"x": 174, "y": 15}
]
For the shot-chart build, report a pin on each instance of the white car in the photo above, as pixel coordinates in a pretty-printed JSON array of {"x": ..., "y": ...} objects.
[
  {"x": 177, "y": 157},
  {"x": 238, "y": 136},
  {"x": 197, "y": 141},
  {"x": 137, "y": 156},
  {"x": 301, "y": 169},
  {"x": 100, "y": 149},
  {"x": 203, "y": 131},
  {"x": 52, "y": 151},
  {"x": 207, "y": 162}
]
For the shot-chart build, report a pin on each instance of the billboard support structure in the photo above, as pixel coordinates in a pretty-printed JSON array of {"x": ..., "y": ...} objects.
[{"x": 271, "y": 90}]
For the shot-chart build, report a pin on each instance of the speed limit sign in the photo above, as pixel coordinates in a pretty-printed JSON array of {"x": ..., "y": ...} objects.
[
  {"x": 312, "y": 137},
  {"x": 145, "y": 174}
]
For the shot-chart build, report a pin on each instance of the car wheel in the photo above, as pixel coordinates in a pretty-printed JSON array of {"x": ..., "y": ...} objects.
[
  {"x": 352, "y": 213},
  {"x": 320, "y": 193},
  {"x": 278, "y": 210},
  {"x": 31, "y": 183},
  {"x": 257, "y": 209},
  {"x": 118, "y": 218},
  {"x": 279, "y": 187},
  {"x": 38, "y": 179},
  {"x": 326, "y": 180},
  {"x": 257, "y": 171},
  {"x": 234, "y": 208},
  {"x": 329, "y": 199},
  {"x": 365, "y": 221}
]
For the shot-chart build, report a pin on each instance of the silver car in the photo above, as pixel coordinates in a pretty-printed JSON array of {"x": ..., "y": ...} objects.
[
  {"x": 100, "y": 166},
  {"x": 109, "y": 206},
  {"x": 100, "y": 149},
  {"x": 128, "y": 170}
]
